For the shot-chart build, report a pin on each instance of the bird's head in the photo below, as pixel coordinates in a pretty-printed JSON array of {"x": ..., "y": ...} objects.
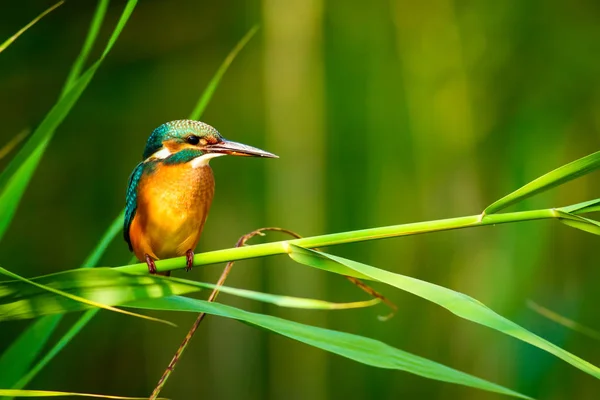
[{"x": 186, "y": 140}]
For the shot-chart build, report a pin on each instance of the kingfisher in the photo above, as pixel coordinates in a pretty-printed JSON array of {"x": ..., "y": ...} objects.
[{"x": 170, "y": 192}]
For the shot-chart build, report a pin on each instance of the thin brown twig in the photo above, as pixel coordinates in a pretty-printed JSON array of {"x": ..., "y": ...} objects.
[
  {"x": 163, "y": 379},
  {"x": 241, "y": 242}
]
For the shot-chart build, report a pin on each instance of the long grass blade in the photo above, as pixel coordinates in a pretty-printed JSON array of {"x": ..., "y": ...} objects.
[
  {"x": 83, "y": 301},
  {"x": 14, "y": 37},
  {"x": 578, "y": 222},
  {"x": 81, "y": 289},
  {"x": 47, "y": 393},
  {"x": 364, "y": 350},
  {"x": 457, "y": 303},
  {"x": 564, "y": 321},
  {"x": 563, "y": 174},
  {"x": 92, "y": 34},
  {"x": 15, "y": 178},
  {"x": 14, "y": 142},
  {"x": 582, "y": 208}
]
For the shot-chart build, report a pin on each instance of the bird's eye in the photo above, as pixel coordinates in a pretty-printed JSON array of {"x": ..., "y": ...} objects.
[{"x": 193, "y": 139}]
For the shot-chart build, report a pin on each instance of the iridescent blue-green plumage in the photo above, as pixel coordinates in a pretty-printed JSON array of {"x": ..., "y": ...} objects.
[
  {"x": 177, "y": 130},
  {"x": 131, "y": 200},
  {"x": 183, "y": 156}
]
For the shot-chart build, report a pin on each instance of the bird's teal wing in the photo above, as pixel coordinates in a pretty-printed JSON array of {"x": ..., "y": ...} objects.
[{"x": 131, "y": 201}]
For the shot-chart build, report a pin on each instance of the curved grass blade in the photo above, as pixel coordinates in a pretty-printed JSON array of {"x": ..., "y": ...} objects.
[
  {"x": 362, "y": 349},
  {"x": 457, "y": 303},
  {"x": 554, "y": 178},
  {"x": 46, "y": 393},
  {"x": 216, "y": 79},
  {"x": 8, "y": 147},
  {"x": 17, "y": 359},
  {"x": 87, "y": 45},
  {"x": 564, "y": 321},
  {"x": 14, "y": 37},
  {"x": 283, "y": 301},
  {"x": 582, "y": 208},
  {"x": 578, "y": 222},
  {"x": 75, "y": 298},
  {"x": 15, "y": 178},
  {"x": 80, "y": 289}
]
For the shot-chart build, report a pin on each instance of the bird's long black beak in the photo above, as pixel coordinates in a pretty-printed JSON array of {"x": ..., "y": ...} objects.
[{"x": 238, "y": 149}]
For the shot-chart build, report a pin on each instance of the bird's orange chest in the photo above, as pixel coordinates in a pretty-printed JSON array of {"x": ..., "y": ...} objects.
[{"x": 172, "y": 206}]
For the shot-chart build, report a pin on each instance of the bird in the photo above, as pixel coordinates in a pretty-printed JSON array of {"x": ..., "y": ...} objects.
[{"x": 170, "y": 192}]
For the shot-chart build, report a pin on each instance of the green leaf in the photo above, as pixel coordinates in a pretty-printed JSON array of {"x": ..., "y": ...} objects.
[
  {"x": 564, "y": 321},
  {"x": 582, "y": 208},
  {"x": 81, "y": 289},
  {"x": 364, "y": 350},
  {"x": 17, "y": 359},
  {"x": 458, "y": 303},
  {"x": 554, "y": 178},
  {"x": 58, "y": 294},
  {"x": 46, "y": 393},
  {"x": 87, "y": 45},
  {"x": 15, "y": 178},
  {"x": 14, "y": 37},
  {"x": 578, "y": 222}
]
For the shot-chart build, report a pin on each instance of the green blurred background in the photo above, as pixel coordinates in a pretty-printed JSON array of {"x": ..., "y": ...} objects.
[{"x": 383, "y": 112}]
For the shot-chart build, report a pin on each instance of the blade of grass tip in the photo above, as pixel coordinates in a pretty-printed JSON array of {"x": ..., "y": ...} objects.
[
  {"x": 279, "y": 300},
  {"x": 92, "y": 34},
  {"x": 80, "y": 299},
  {"x": 15, "y": 178},
  {"x": 564, "y": 321},
  {"x": 457, "y": 303},
  {"x": 8, "y": 147},
  {"x": 582, "y": 208},
  {"x": 47, "y": 393},
  {"x": 578, "y": 222},
  {"x": 216, "y": 79},
  {"x": 14, "y": 37},
  {"x": 563, "y": 174},
  {"x": 358, "y": 348}
]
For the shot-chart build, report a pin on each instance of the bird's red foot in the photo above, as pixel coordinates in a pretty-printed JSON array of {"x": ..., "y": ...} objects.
[
  {"x": 151, "y": 265},
  {"x": 189, "y": 256}
]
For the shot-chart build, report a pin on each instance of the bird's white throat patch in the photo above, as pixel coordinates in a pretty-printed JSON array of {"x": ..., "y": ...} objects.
[
  {"x": 161, "y": 154},
  {"x": 204, "y": 159},
  {"x": 195, "y": 163}
]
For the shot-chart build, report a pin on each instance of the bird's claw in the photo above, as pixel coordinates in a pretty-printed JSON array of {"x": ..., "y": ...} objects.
[
  {"x": 189, "y": 256},
  {"x": 151, "y": 264}
]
